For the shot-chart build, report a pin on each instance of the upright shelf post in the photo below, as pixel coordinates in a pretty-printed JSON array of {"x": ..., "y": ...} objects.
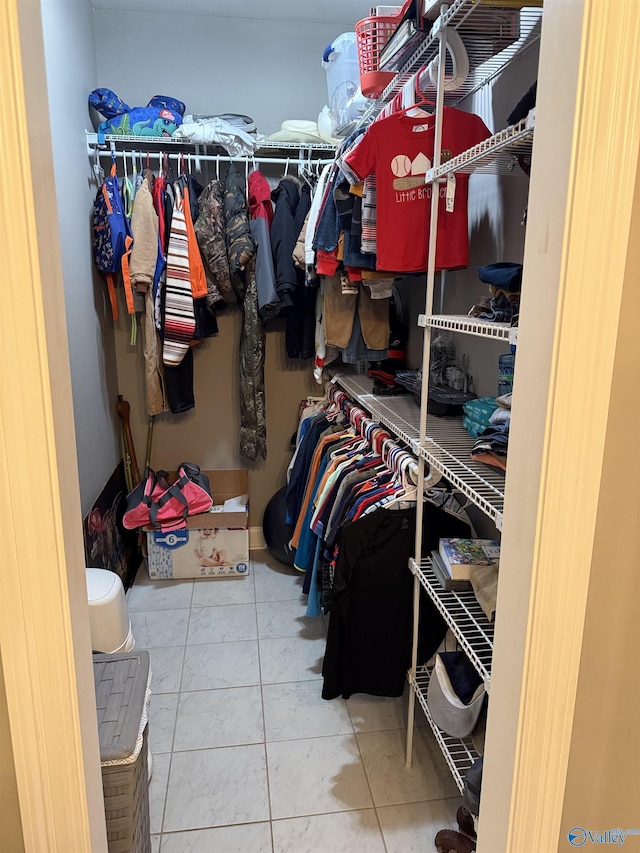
[{"x": 426, "y": 353}]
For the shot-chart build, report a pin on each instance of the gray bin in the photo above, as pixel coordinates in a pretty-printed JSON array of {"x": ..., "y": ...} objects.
[{"x": 122, "y": 698}]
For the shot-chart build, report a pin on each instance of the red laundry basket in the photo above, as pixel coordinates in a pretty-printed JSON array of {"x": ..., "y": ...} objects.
[{"x": 371, "y": 36}]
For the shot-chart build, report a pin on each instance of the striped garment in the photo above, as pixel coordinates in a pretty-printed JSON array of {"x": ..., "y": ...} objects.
[
  {"x": 179, "y": 316},
  {"x": 369, "y": 216}
]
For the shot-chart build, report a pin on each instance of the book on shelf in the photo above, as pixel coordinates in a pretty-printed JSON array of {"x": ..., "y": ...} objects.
[
  {"x": 446, "y": 581},
  {"x": 461, "y": 556}
]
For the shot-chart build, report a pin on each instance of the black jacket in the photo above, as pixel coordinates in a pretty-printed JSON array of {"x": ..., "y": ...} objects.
[{"x": 292, "y": 202}]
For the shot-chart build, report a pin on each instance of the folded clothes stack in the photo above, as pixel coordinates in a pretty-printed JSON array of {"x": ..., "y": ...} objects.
[
  {"x": 503, "y": 303},
  {"x": 491, "y": 447},
  {"x": 501, "y": 415}
]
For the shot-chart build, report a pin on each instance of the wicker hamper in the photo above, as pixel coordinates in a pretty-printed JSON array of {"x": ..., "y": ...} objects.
[{"x": 122, "y": 684}]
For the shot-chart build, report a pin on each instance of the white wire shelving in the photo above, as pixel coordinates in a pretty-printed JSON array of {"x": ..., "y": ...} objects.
[
  {"x": 447, "y": 445},
  {"x": 459, "y": 754},
  {"x": 471, "y": 326},
  {"x": 144, "y": 142},
  {"x": 463, "y": 615},
  {"x": 490, "y": 49},
  {"x": 497, "y": 154}
]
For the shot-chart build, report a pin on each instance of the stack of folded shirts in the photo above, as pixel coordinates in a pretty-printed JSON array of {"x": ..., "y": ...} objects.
[
  {"x": 502, "y": 415},
  {"x": 491, "y": 447},
  {"x": 503, "y": 304}
]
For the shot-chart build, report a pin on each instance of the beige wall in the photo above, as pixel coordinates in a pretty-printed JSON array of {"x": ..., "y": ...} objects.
[
  {"x": 12, "y": 839},
  {"x": 209, "y": 433}
]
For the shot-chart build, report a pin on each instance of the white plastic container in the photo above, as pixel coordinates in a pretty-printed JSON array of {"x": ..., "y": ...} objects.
[
  {"x": 108, "y": 613},
  {"x": 340, "y": 61}
]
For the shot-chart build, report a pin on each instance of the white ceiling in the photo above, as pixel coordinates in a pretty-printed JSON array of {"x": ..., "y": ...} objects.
[{"x": 343, "y": 12}]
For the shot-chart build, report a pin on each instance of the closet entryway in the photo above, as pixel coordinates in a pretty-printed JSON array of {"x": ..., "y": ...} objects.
[{"x": 247, "y": 756}]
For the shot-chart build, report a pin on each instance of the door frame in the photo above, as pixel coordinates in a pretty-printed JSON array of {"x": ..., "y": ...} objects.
[{"x": 45, "y": 638}]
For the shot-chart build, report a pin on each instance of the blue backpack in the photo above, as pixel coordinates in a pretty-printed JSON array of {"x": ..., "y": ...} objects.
[{"x": 112, "y": 240}]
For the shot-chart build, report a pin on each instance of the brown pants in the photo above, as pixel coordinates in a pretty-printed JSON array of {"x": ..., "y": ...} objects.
[{"x": 339, "y": 311}]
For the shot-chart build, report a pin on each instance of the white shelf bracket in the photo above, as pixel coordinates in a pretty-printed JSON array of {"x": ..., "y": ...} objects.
[
  {"x": 513, "y": 335},
  {"x": 422, "y": 321}
]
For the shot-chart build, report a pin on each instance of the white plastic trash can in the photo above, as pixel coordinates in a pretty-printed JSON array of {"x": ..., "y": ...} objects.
[{"x": 108, "y": 613}]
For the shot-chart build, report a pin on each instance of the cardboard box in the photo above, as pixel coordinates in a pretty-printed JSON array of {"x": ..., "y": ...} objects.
[{"x": 213, "y": 544}]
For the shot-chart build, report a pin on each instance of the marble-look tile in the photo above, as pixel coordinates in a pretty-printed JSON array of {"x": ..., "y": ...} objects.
[
  {"x": 142, "y": 575},
  {"x": 216, "y": 665},
  {"x": 153, "y": 628},
  {"x": 216, "y": 787},
  {"x": 162, "y": 721},
  {"x": 344, "y": 832},
  {"x": 155, "y": 842},
  {"x": 242, "y": 838},
  {"x": 211, "y": 718},
  {"x": 166, "y": 669},
  {"x": 412, "y": 828},
  {"x": 316, "y": 776},
  {"x": 160, "y": 595},
  {"x": 383, "y": 754},
  {"x": 222, "y": 624},
  {"x": 210, "y": 592},
  {"x": 291, "y": 659},
  {"x": 287, "y": 619},
  {"x": 158, "y": 790},
  {"x": 376, "y": 713},
  {"x": 283, "y": 584},
  {"x": 298, "y": 711},
  {"x": 262, "y": 560}
]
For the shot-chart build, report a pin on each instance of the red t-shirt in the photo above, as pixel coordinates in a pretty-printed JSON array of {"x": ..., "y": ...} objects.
[{"x": 399, "y": 156}]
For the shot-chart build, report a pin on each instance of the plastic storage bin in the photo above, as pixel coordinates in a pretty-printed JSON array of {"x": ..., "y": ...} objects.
[
  {"x": 123, "y": 691},
  {"x": 108, "y": 614},
  {"x": 340, "y": 61}
]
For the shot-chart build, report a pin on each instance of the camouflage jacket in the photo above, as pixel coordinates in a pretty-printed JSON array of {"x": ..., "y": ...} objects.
[
  {"x": 253, "y": 423},
  {"x": 210, "y": 231},
  {"x": 241, "y": 247}
]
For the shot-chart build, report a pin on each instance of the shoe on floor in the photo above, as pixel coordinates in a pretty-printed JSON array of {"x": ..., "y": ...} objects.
[
  {"x": 449, "y": 841},
  {"x": 465, "y": 822}
]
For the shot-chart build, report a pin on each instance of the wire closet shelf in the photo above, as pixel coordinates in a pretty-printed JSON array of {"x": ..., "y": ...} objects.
[
  {"x": 463, "y": 615},
  {"x": 459, "y": 754},
  {"x": 476, "y": 26},
  {"x": 447, "y": 445}
]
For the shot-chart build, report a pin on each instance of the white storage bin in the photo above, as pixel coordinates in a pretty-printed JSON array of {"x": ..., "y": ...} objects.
[
  {"x": 108, "y": 613},
  {"x": 340, "y": 61}
]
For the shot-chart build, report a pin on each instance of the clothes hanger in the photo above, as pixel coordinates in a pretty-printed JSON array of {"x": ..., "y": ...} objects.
[
  {"x": 217, "y": 167},
  {"x": 127, "y": 189},
  {"x": 420, "y": 98},
  {"x": 98, "y": 171},
  {"x": 408, "y": 491}
]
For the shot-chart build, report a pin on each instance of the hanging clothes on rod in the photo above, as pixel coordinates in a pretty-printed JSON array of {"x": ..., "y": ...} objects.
[{"x": 354, "y": 536}]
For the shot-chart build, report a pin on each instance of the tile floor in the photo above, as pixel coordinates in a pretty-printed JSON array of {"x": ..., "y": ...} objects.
[{"x": 247, "y": 756}]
